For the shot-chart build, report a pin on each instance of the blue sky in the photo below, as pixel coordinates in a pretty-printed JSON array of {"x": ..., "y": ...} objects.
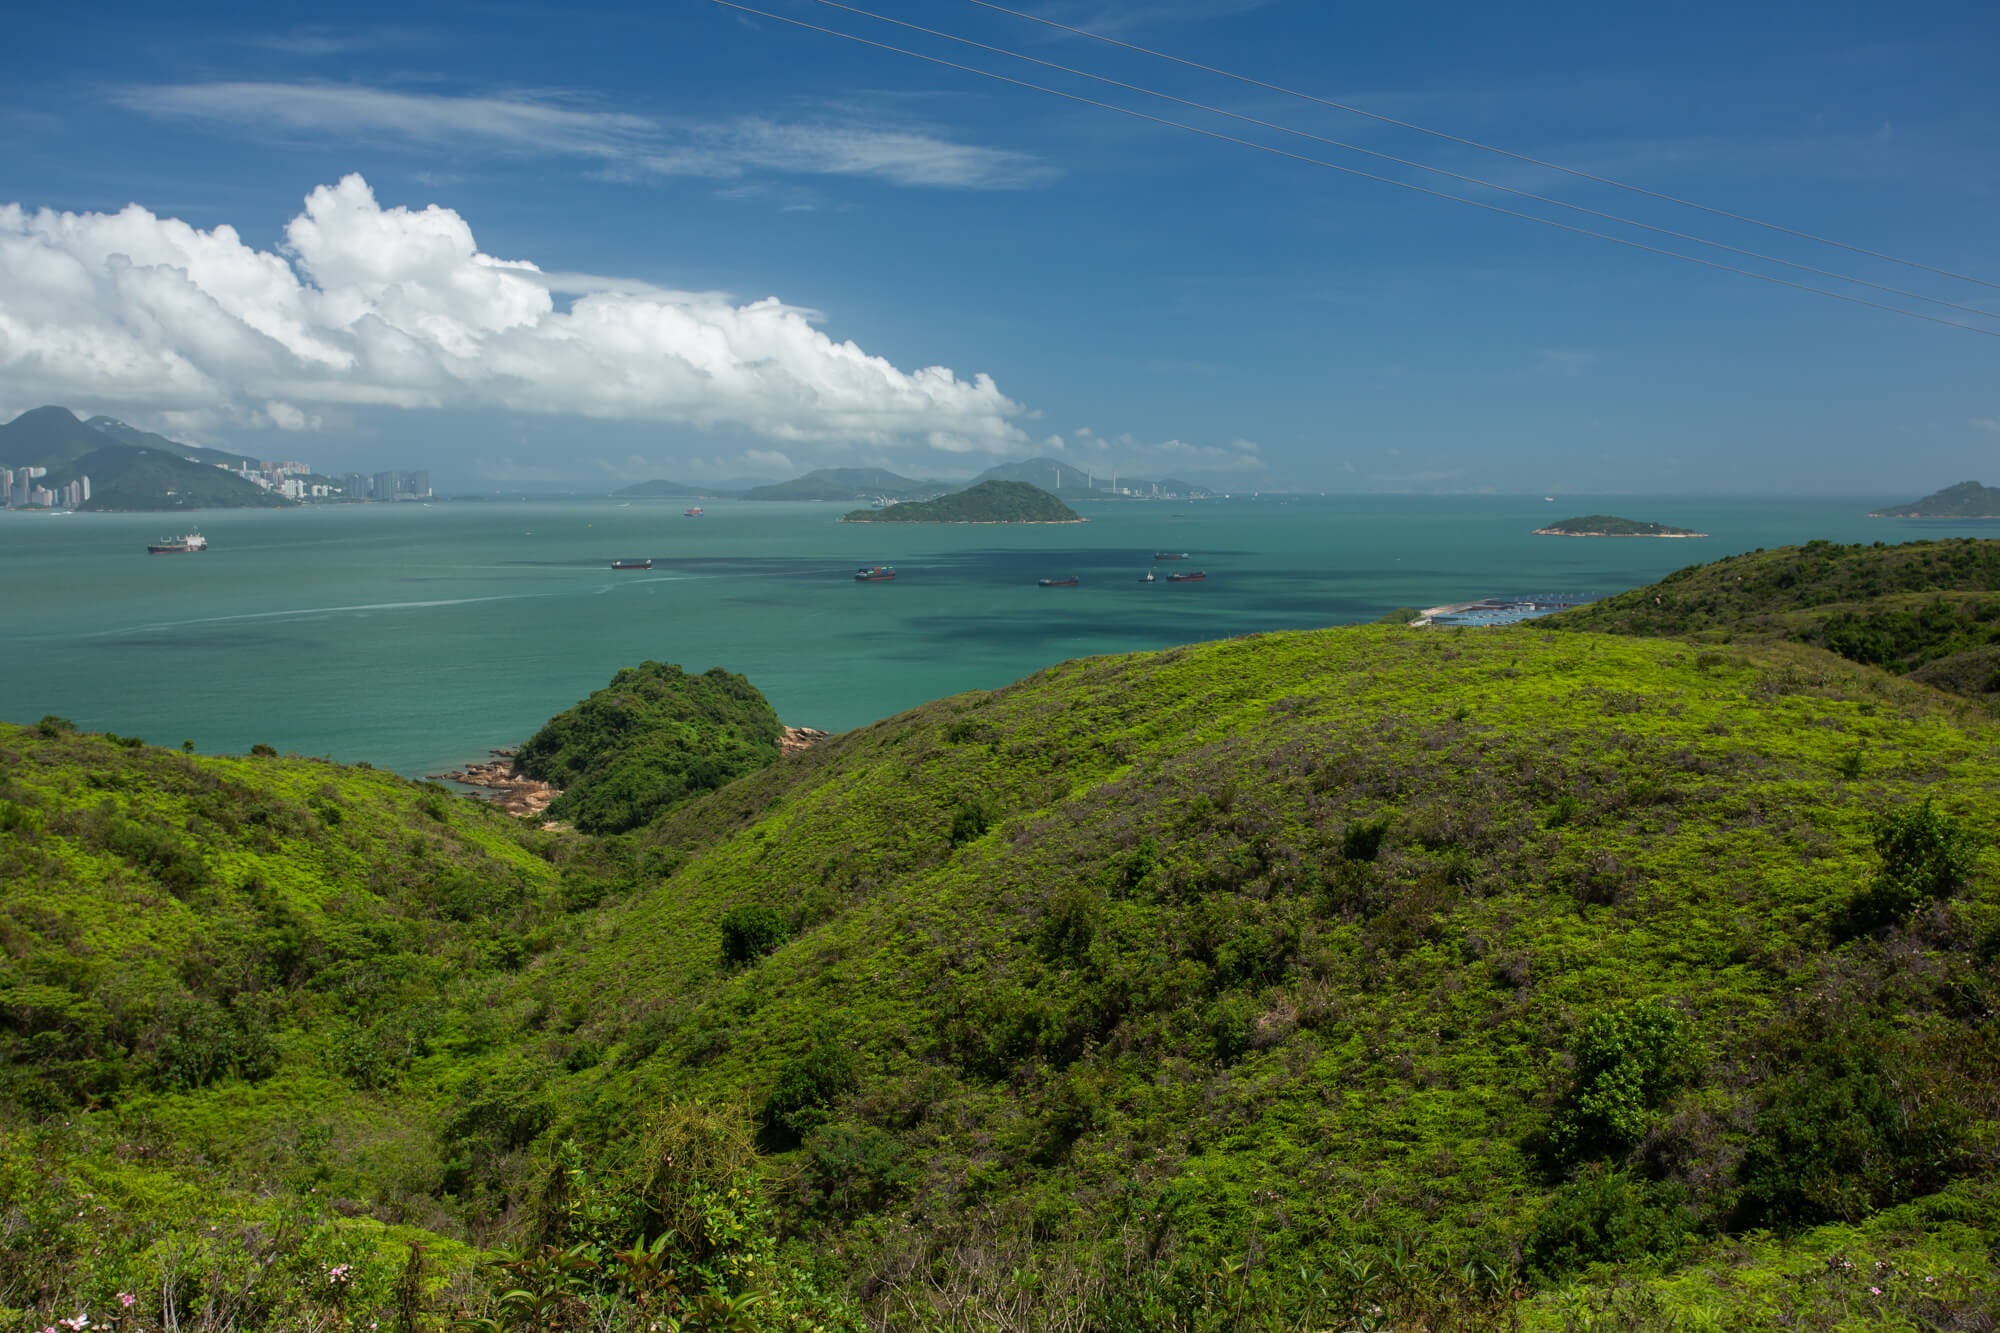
[{"x": 1135, "y": 296}]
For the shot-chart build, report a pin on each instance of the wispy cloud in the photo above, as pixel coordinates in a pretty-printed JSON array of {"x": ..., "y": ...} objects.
[
  {"x": 1564, "y": 361},
  {"x": 622, "y": 144},
  {"x": 1987, "y": 423},
  {"x": 321, "y": 40}
]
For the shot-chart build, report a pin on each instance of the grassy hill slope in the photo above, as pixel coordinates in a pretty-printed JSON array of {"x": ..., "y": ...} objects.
[
  {"x": 1280, "y": 948},
  {"x": 1358, "y": 978},
  {"x": 1930, "y": 608}
]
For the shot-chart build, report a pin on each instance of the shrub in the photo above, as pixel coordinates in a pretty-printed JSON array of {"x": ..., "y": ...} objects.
[
  {"x": 1846, "y": 1134},
  {"x": 969, "y": 822},
  {"x": 1628, "y": 1061},
  {"x": 807, "y": 1087},
  {"x": 1606, "y": 1217},
  {"x": 52, "y": 726},
  {"x": 1925, "y": 856},
  {"x": 850, "y": 1170},
  {"x": 1362, "y": 840},
  {"x": 749, "y": 931}
]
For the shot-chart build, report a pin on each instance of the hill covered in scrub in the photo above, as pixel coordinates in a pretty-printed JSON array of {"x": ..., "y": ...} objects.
[
  {"x": 654, "y": 738},
  {"x": 1926, "y": 609},
  {"x": 988, "y": 502},
  {"x": 1968, "y": 499},
  {"x": 1605, "y": 525},
  {"x": 1357, "y": 978}
]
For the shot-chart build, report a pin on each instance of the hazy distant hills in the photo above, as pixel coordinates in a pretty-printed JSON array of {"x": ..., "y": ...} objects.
[
  {"x": 669, "y": 490},
  {"x": 1072, "y": 482},
  {"x": 1968, "y": 499},
  {"x": 128, "y": 468},
  {"x": 848, "y": 483}
]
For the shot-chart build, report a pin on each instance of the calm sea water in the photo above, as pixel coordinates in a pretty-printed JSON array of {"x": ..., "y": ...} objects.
[{"x": 416, "y": 637}]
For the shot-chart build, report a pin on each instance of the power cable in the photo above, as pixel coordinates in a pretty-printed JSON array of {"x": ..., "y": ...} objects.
[
  {"x": 1419, "y": 166},
  {"x": 1352, "y": 171},
  {"x": 1484, "y": 147}
]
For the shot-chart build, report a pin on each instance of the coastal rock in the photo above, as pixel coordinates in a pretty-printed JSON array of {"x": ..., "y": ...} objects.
[{"x": 797, "y": 740}]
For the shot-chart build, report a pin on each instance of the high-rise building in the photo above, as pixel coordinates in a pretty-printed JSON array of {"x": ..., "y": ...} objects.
[
  {"x": 6, "y": 486},
  {"x": 356, "y": 486},
  {"x": 385, "y": 485},
  {"x": 420, "y": 484}
]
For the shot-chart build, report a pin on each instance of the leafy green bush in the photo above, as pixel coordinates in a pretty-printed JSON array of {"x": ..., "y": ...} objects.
[
  {"x": 1926, "y": 856},
  {"x": 197, "y": 1041},
  {"x": 749, "y": 931},
  {"x": 1857, "y": 1127},
  {"x": 807, "y": 1087},
  {"x": 1628, "y": 1061},
  {"x": 1606, "y": 1217}
]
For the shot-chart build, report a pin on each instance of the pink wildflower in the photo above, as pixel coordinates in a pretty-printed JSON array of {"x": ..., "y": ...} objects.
[{"x": 127, "y": 1299}]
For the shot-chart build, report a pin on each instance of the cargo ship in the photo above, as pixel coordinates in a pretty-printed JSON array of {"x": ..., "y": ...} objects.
[
  {"x": 641, "y": 562},
  {"x": 1192, "y": 576},
  {"x": 874, "y": 573},
  {"x": 1170, "y": 555},
  {"x": 188, "y": 544},
  {"x": 694, "y": 512},
  {"x": 1069, "y": 582}
]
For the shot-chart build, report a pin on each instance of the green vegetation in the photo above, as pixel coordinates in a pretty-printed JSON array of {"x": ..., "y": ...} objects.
[
  {"x": 1363, "y": 979},
  {"x": 1605, "y": 525},
  {"x": 988, "y": 502},
  {"x": 1968, "y": 499},
  {"x": 129, "y": 469},
  {"x": 654, "y": 738},
  {"x": 1928, "y": 609}
]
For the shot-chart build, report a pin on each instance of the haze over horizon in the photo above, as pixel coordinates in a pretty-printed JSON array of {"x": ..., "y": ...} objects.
[{"x": 685, "y": 242}]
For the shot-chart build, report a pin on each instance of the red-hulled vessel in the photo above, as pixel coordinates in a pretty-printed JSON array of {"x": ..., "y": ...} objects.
[
  {"x": 1192, "y": 576},
  {"x": 874, "y": 573}
]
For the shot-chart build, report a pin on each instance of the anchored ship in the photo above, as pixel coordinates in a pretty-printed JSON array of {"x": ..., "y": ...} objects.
[
  {"x": 640, "y": 562},
  {"x": 874, "y": 573},
  {"x": 188, "y": 544},
  {"x": 1192, "y": 576},
  {"x": 694, "y": 512},
  {"x": 1069, "y": 582}
]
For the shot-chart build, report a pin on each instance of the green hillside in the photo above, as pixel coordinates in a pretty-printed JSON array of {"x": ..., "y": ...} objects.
[
  {"x": 47, "y": 437},
  {"x": 119, "y": 433},
  {"x": 1608, "y": 525},
  {"x": 1931, "y": 609},
  {"x": 129, "y": 469},
  {"x": 844, "y": 483},
  {"x": 1968, "y": 499},
  {"x": 125, "y": 478},
  {"x": 988, "y": 502},
  {"x": 654, "y": 738},
  {"x": 1363, "y": 978}
]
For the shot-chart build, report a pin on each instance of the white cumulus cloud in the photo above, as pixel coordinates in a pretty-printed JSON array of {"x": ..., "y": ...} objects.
[{"x": 398, "y": 307}]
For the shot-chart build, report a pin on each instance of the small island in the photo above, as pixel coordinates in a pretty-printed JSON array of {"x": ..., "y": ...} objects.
[
  {"x": 1968, "y": 499},
  {"x": 1606, "y": 525},
  {"x": 988, "y": 502}
]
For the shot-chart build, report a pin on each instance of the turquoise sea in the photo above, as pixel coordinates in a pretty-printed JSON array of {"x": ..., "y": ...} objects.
[{"x": 418, "y": 636}]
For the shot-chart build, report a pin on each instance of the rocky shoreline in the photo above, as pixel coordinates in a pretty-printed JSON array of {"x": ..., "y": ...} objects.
[{"x": 529, "y": 798}]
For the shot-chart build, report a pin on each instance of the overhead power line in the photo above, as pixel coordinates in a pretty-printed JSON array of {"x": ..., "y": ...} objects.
[
  {"x": 1483, "y": 147},
  {"x": 1351, "y": 171},
  {"x": 1419, "y": 166}
]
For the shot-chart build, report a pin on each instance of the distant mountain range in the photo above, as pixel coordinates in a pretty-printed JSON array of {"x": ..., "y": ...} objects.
[
  {"x": 849, "y": 484},
  {"x": 1968, "y": 499},
  {"x": 128, "y": 468}
]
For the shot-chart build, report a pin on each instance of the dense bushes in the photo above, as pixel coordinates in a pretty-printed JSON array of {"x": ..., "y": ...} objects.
[
  {"x": 749, "y": 931},
  {"x": 1926, "y": 856},
  {"x": 1628, "y": 1060},
  {"x": 1607, "y": 1217},
  {"x": 654, "y": 738}
]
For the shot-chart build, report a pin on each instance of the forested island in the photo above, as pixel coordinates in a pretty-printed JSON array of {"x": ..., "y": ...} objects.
[
  {"x": 1633, "y": 969},
  {"x": 1968, "y": 499},
  {"x": 988, "y": 502},
  {"x": 1607, "y": 525}
]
